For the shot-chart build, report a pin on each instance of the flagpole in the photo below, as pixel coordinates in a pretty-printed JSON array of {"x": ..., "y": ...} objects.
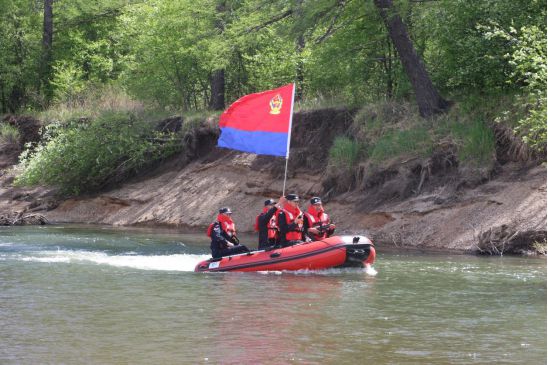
[{"x": 289, "y": 137}]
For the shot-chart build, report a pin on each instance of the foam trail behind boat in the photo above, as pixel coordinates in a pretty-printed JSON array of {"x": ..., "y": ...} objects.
[{"x": 176, "y": 262}]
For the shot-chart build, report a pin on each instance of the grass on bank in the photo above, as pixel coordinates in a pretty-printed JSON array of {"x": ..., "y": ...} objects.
[
  {"x": 345, "y": 152},
  {"x": 386, "y": 131},
  {"x": 9, "y": 136}
]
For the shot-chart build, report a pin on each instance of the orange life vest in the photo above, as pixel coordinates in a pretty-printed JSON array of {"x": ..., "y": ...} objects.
[
  {"x": 316, "y": 220},
  {"x": 291, "y": 218},
  {"x": 227, "y": 225}
]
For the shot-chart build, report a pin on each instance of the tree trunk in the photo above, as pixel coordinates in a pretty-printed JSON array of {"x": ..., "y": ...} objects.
[
  {"x": 300, "y": 68},
  {"x": 388, "y": 69},
  {"x": 217, "y": 101},
  {"x": 300, "y": 44},
  {"x": 3, "y": 100},
  {"x": 47, "y": 41},
  {"x": 428, "y": 98}
]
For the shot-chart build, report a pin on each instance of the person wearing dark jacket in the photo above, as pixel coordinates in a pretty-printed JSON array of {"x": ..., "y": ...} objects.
[
  {"x": 290, "y": 222},
  {"x": 266, "y": 224},
  {"x": 222, "y": 232}
]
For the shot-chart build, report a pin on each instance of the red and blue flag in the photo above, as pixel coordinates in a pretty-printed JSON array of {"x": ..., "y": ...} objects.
[{"x": 259, "y": 123}]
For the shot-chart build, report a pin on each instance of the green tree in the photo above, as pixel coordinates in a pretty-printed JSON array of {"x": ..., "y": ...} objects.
[{"x": 19, "y": 53}]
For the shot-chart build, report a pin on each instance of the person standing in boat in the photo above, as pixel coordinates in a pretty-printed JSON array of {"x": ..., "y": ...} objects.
[
  {"x": 290, "y": 221},
  {"x": 222, "y": 232},
  {"x": 317, "y": 224},
  {"x": 266, "y": 223}
]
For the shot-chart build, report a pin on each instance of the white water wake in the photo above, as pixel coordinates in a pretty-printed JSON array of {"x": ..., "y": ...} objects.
[{"x": 176, "y": 262}]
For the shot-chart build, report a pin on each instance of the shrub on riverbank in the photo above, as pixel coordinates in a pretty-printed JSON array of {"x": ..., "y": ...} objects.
[
  {"x": 85, "y": 155},
  {"x": 9, "y": 136}
]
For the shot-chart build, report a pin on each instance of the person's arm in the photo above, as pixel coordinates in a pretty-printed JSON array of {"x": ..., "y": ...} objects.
[
  {"x": 282, "y": 226},
  {"x": 330, "y": 226},
  {"x": 294, "y": 227},
  {"x": 270, "y": 213},
  {"x": 264, "y": 218},
  {"x": 219, "y": 237},
  {"x": 307, "y": 229}
]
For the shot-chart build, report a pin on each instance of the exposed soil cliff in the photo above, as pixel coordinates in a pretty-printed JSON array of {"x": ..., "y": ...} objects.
[{"x": 430, "y": 203}]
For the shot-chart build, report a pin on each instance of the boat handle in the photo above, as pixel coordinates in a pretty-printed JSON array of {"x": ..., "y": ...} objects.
[{"x": 275, "y": 254}]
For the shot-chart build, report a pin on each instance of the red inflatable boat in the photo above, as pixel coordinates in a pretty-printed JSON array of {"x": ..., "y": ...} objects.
[{"x": 337, "y": 251}]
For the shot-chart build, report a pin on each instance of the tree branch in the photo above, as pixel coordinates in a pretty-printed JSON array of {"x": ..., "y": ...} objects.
[
  {"x": 331, "y": 29},
  {"x": 271, "y": 21}
]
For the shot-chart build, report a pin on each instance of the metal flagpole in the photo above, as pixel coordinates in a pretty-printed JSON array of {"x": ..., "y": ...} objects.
[{"x": 289, "y": 137}]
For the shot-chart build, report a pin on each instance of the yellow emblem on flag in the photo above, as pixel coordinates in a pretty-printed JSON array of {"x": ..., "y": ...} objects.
[{"x": 276, "y": 104}]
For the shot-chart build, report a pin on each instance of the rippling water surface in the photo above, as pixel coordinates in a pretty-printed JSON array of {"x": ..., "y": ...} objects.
[{"x": 105, "y": 296}]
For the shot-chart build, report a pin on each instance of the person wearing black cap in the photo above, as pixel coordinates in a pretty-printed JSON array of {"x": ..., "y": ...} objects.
[
  {"x": 222, "y": 232},
  {"x": 317, "y": 224},
  {"x": 290, "y": 221},
  {"x": 266, "y": 223}
]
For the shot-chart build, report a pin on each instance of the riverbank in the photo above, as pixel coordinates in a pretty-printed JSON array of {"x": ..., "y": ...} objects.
[{"x": 428, "y": 203}]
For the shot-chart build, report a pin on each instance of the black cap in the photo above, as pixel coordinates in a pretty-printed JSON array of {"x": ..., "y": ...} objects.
[
  {"x": 269, "y": 202},
  {"x": 292, "y": 197},
  {"x": 315, "y": 200},
  {"x": 225, "y": 210}
]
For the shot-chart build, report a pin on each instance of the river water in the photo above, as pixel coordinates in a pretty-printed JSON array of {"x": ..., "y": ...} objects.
[{"x": 92, "y": 295}]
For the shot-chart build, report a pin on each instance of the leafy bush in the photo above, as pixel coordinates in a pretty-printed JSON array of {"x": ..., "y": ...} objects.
[
  {"x": 528, "y": 60},
  {"x": 83, "y": 156}
]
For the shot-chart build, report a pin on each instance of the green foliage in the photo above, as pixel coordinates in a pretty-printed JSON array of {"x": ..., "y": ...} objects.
[
  {"x": 528, "y": 61},
  {"x": 416, "y": 141},
  {"x": 458, "y": 45},
  {"x": 164, "y": 52},
  {"x": 344, "y": 152},
  {"x": 19, "y": 54},
  {"x": 68, "y": 82},
  {"x": 384, "y": 131},
  {"x": 394, "y": 130},
  {"x": 475, "y": 140},
  {"x": 9, "y": 135},
  {"x": 83, "y": 156}
]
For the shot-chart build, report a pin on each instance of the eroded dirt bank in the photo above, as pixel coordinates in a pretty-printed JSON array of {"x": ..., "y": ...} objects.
[{"x": 431, "y": 203}]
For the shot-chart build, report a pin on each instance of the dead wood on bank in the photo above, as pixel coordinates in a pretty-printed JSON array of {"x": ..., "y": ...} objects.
[
  {"x": 506, "y": 239},
  {"x": 21, "y": 219}
]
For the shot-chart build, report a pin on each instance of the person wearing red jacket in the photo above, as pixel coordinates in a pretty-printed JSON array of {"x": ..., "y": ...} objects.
[
  {"x": 290, "y": 222},
  {"x": 317, "y": 224},
  {"x": 222, "y": 232}
]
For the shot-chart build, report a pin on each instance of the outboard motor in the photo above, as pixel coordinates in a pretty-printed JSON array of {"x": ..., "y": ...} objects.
[{"x": 359, "y": 251}]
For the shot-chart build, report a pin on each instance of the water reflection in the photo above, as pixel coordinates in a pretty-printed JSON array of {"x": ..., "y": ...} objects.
[{"x": 276, "y": 318}]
